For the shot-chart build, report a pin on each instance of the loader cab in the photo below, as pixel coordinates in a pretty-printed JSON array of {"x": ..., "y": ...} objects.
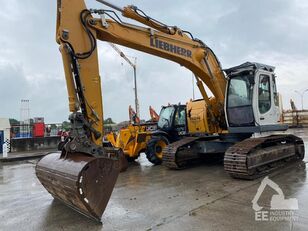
[
  {"x": 172, "y": 120},
  {"x": 252, "y": 101}
]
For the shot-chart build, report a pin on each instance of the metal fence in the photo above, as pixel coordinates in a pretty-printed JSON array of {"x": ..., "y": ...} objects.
[
  {"x": 295, "y": 118},
  {"x": 26, "y": 130}
]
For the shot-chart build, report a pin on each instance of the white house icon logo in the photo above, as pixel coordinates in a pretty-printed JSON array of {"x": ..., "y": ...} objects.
[{"x": 278, "y": 201}]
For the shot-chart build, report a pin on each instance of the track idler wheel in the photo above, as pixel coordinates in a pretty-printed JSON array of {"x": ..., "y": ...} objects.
[{"x": 82, "y": 182}]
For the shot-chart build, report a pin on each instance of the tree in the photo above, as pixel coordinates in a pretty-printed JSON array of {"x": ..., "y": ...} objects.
[
  {"x": 14, "y": 122},
  {"x": 53, "y": 126},
  {"x": 108, "y": 121},
  {"x": 66, "y": 125}
]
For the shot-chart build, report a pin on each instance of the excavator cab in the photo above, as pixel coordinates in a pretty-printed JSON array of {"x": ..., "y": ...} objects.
[
  {"x": 172, "y": 120},
  {"x": 252, "y": 102}
]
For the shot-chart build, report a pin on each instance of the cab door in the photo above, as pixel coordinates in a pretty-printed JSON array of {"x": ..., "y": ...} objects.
[
  {"x": 267, "y": 104},
  {"x": 180, "y": 121}
]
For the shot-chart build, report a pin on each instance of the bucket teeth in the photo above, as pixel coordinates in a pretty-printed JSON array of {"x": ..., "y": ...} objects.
[{"x": 82, "y": 182}]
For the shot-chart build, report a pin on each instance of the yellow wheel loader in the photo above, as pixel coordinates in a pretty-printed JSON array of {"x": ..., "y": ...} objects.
[
  {"x": 244, "y": 102},
  {"x": 132, "y": 139}
]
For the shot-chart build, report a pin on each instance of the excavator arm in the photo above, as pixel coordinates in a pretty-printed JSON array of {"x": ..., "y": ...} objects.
[
  {"x": 133, "y": 117},
  {"x": 80, "y": 60},
  {"x": 84, "y": 173},
  {"x": 153, "y": 114}
]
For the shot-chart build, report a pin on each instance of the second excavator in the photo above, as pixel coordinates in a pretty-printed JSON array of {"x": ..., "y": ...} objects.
[{"x": 244, "y": 102}]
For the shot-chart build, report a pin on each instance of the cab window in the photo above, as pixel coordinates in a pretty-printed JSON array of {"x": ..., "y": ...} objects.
[
  {"x": 264, "y": 94},
  {"x": 240, "y": 92},
  {"x": 180, "y": 118},
  {"x": 165, "y": 117},
  {"x": 276, "y": 95}
]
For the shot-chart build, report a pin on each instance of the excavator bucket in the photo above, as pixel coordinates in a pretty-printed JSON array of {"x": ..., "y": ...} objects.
[{"x": 82, "y": 182}]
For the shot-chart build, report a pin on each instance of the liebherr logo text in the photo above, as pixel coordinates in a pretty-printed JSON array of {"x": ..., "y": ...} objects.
[{"x": 169, "y": 47}]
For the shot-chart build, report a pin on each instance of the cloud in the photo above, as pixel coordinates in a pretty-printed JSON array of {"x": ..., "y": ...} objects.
[
  {"x": 272, "y": 32},
  {"x": 47, "y": 95},
  {"x": 290, "y": 74}
]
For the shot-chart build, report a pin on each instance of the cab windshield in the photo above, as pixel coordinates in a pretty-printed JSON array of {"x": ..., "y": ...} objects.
[
  {"x": 240, "y": 91},
  {"x": 165, "y": 117}
]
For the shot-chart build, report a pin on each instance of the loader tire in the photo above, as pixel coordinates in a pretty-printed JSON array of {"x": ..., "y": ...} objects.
[{"x": 154, "y": 150}]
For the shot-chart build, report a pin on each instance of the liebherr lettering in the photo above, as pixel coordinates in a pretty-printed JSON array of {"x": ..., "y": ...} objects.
[{"x": 171, "y": 48}]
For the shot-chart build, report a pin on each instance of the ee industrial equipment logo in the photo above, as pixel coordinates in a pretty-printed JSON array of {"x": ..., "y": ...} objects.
[{"x": 281, "y": 209}]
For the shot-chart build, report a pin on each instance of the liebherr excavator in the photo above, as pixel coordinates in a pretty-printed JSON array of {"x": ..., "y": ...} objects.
[{"x": 244, "y": 101}]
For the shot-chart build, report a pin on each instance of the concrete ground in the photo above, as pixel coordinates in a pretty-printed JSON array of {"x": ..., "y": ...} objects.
[
  {"x": 27, "y": 155},
  {"x": 150, "y": 197}
]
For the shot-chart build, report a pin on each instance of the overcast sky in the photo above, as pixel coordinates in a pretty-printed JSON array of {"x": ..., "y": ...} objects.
[{"x": 274, "y": 32}]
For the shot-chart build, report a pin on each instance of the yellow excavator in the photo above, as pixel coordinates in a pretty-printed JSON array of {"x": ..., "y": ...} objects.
[
  {"x": 244, "y": 102},
  {"x": 133, "y": 117},
  {"x": 153, "y": 114}
]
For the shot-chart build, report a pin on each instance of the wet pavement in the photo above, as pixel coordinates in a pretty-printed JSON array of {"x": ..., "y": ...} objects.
[
  {"x": 17, "y": 156},
  {"x": 150, "y": 197}
]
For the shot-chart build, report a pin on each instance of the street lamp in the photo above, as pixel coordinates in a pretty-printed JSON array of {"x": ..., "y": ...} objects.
[
  {"x": 134, "y": 66},
  {"x": 135, "y": 88},
  {"x": 302, "y": 96}
]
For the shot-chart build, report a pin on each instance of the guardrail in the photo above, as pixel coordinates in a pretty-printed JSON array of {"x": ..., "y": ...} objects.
[{"x": 295, "y": 118}]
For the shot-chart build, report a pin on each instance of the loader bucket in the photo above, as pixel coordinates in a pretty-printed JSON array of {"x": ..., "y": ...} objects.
[{"x": 82, "y": 182}]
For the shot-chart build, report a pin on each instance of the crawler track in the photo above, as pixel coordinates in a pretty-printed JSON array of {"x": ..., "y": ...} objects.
[
  {"x": 177, "y": 154},
  {"x": 255, "y": 157}
]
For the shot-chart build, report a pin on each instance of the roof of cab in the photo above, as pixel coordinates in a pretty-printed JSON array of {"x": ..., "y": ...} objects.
[{"x": 249, "y": 66}]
